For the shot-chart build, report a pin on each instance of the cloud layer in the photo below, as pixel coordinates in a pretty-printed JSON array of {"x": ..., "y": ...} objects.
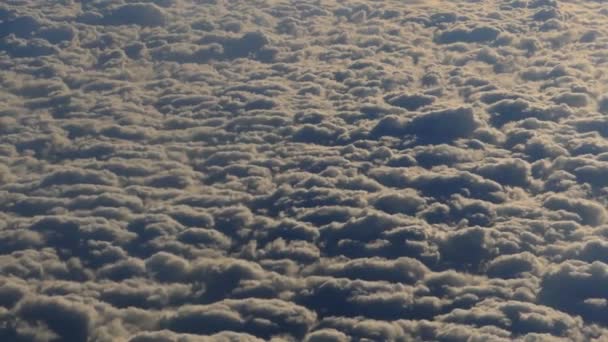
[{"x": 214, "y": 170}]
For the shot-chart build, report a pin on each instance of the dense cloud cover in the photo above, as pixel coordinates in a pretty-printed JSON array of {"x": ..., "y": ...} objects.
[{"x": 218, "y": 170}]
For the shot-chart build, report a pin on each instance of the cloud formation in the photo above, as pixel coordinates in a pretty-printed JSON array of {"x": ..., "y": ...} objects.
[{"x": 214, "y": 170}]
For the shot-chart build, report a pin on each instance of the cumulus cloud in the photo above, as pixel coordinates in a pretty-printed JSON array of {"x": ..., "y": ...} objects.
[
  {"x": 213, "y": 170},
  {"x": 433, "y": 127}
]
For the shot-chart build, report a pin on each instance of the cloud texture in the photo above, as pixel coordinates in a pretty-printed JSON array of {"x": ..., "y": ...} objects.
[{"x": 215, "y": 170}]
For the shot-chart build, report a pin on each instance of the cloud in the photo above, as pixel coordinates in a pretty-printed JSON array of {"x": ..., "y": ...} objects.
[
  {"x": 432, "y": 127},
  {"x": 508, "y": 172},
  {"x": 401, "y": 270},
  {"x": 406, "y": 203},
  {"x": 475, "y": 35},
  {"x": 169, "y": 336},
  {"x": 143, "y": 14},
  {"x": 410, "y": 102},
  {"x": 69, "y": 321},
  {"x": 259, "y": 316},
  {"x": 588, "y": 212},
  {"x": 585, "y": 280},
  {"x": 507, "y": 266},
  {"x": 514, "y": 110},
  {"x": 210, "y": 170}
]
